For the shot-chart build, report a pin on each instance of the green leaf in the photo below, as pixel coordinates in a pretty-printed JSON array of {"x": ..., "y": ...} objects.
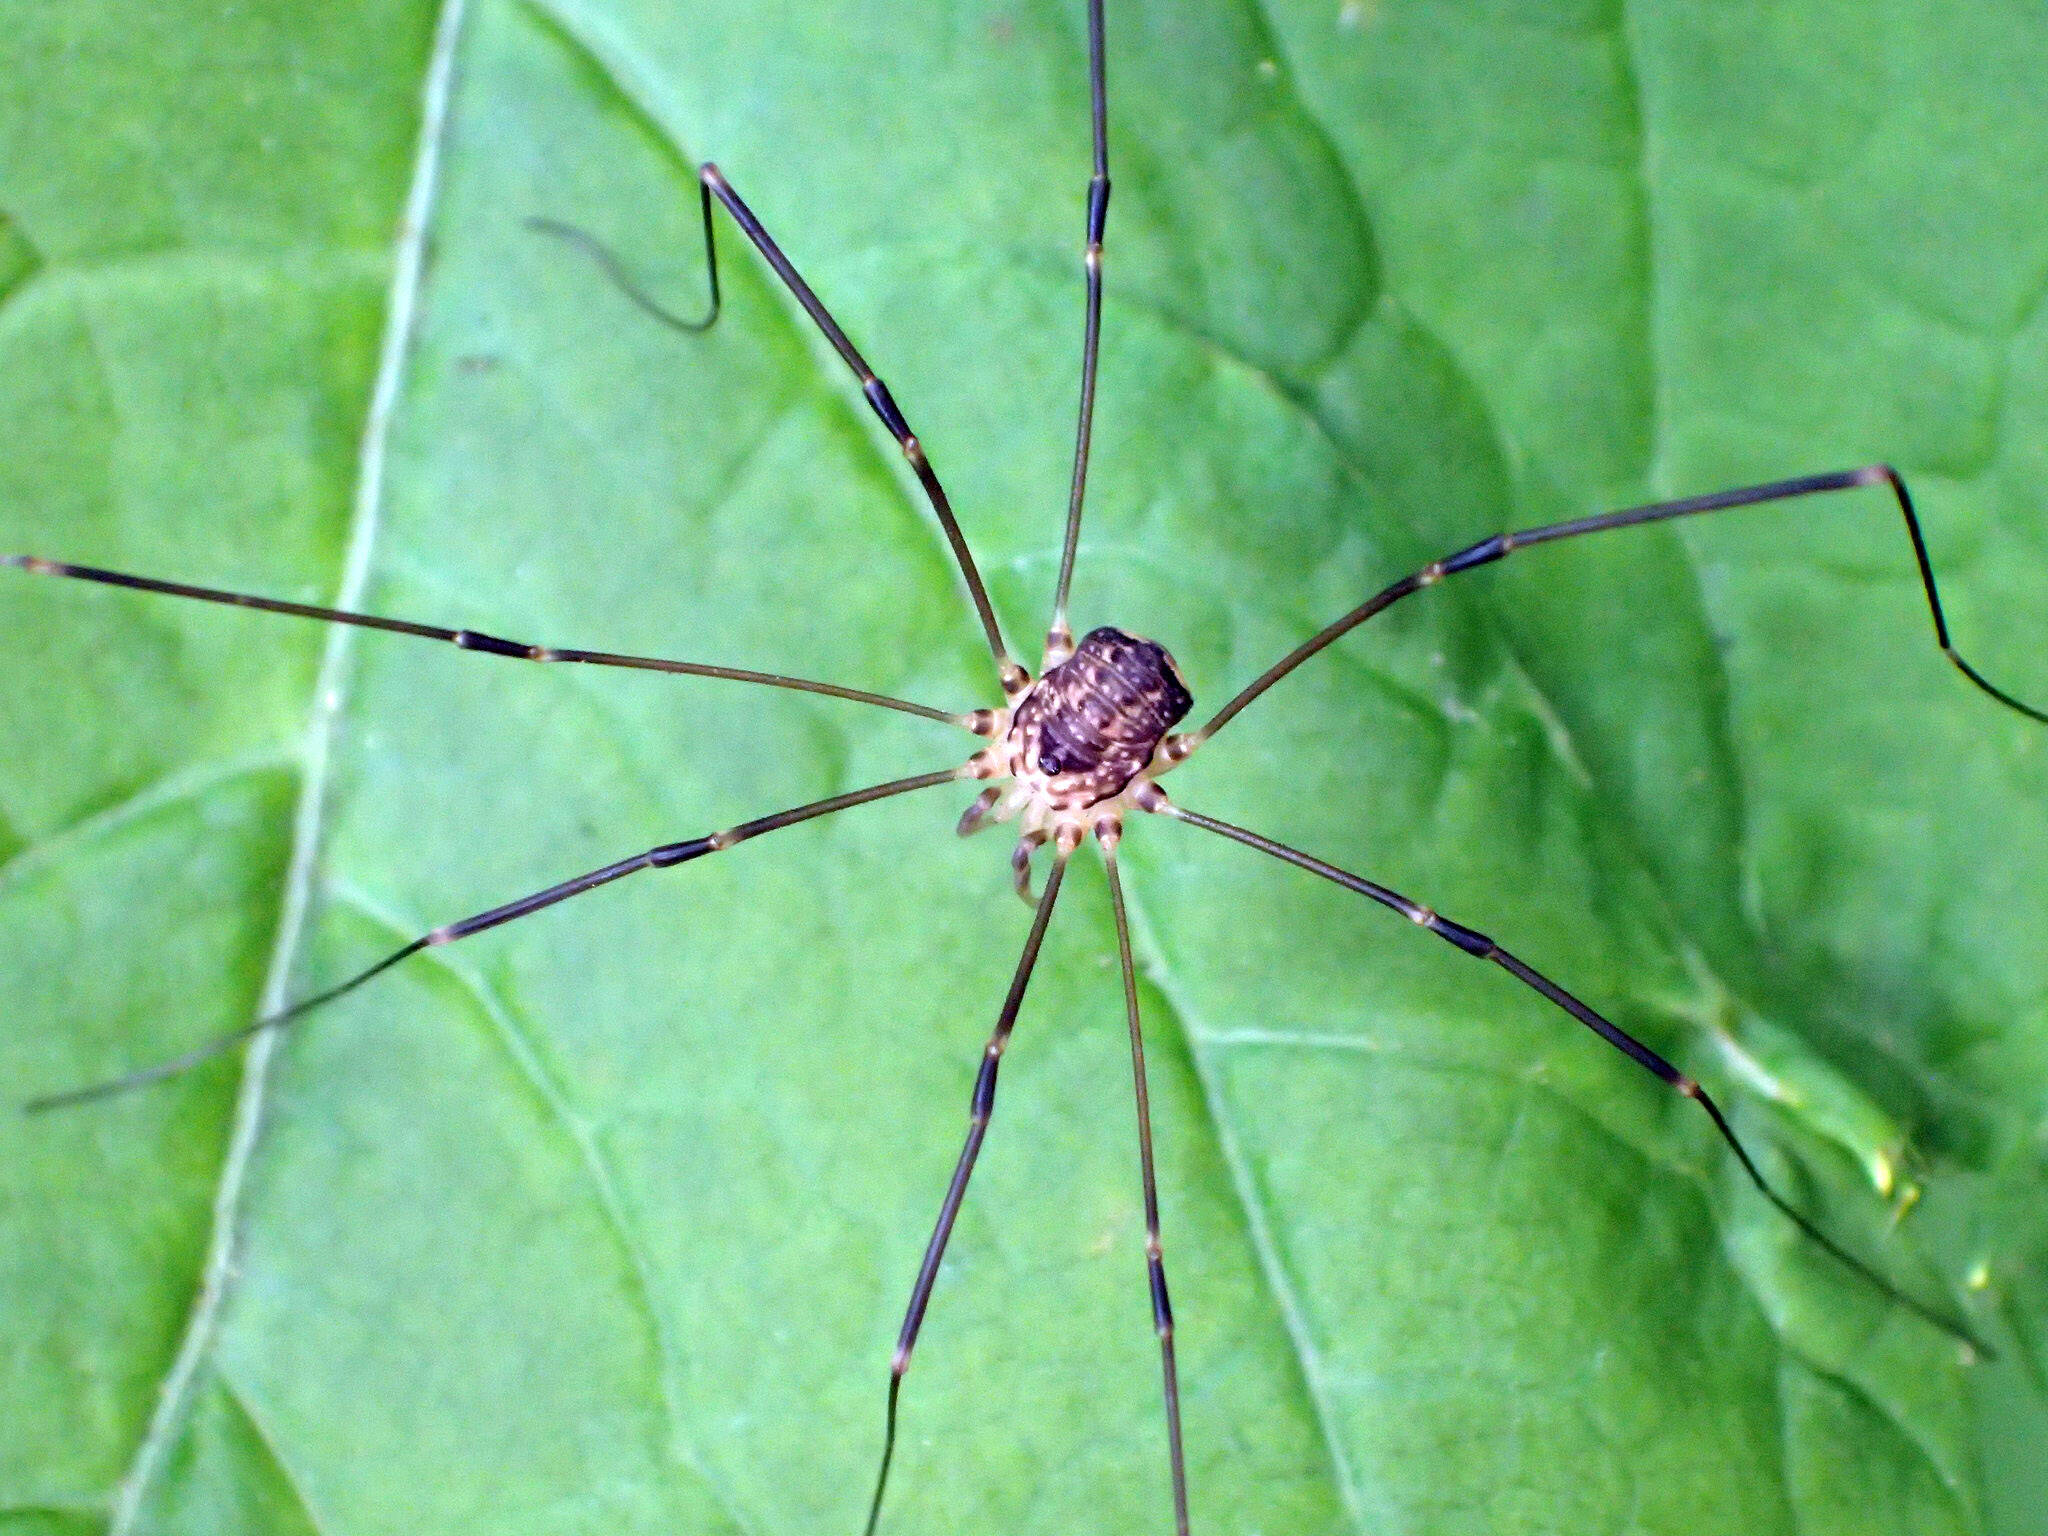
[{"x": 605, "y": 1220}]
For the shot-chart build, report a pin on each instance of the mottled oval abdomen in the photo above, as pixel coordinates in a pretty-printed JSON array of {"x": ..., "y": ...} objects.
[{"x": 1094, "y": 721}]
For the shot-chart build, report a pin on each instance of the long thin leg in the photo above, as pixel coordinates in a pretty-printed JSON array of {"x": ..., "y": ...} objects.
[
  {"x": 1059, "y": 640},
  {"x": 980, "y": 1107},
  {"x": 623, "y": 280},
  {"x": 1501, "y": 544},
  {"x": 878, "y": 396},
  {"x": 711, "y": 183},
  {"x": 1480, "y": 946},
  {"x": 1155, "y": 1260},
  {"x": 469, "y": 639},
  {"x": 663, "y": 857}
]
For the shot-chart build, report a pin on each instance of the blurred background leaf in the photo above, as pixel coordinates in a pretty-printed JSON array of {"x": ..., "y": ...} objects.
[{"x": 605, "y": 1222}]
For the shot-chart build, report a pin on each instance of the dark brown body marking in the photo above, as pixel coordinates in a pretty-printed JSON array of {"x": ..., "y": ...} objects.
[{"x": 1094, "y": 721}]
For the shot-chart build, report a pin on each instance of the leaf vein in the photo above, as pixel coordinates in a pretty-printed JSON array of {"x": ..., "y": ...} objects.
[
  {"x": 526, "y": 1061},
  {"x": 408, "y": 269},
  {"x": 1315, "y": 1380},
  {"x": 271, "y": 1449}
]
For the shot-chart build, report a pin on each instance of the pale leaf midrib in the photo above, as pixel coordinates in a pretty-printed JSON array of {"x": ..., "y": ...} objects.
[{"x": 408, "y": 265}]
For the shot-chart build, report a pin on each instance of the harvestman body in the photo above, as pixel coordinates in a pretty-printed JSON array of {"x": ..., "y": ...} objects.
[
  {"x": 1082, "y": 745},
  {"x": 1071, "y": 754}
]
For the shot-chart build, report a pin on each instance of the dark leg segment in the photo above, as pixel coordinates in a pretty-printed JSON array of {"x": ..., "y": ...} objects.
[
  {"x": 467, "y": 639},
  {"x": 1486, "y": 551},
  {"x": 1059, "y": 642},
  {"x": 663, "y": 857},
  {"x": 1480, "y": 946},
  {"x": 980, "y": 1108},
  {"x": 1155, "y": 1260}
]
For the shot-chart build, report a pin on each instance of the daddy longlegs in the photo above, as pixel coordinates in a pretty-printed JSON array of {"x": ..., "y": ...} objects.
[{"x": 1073, "y": 753}]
